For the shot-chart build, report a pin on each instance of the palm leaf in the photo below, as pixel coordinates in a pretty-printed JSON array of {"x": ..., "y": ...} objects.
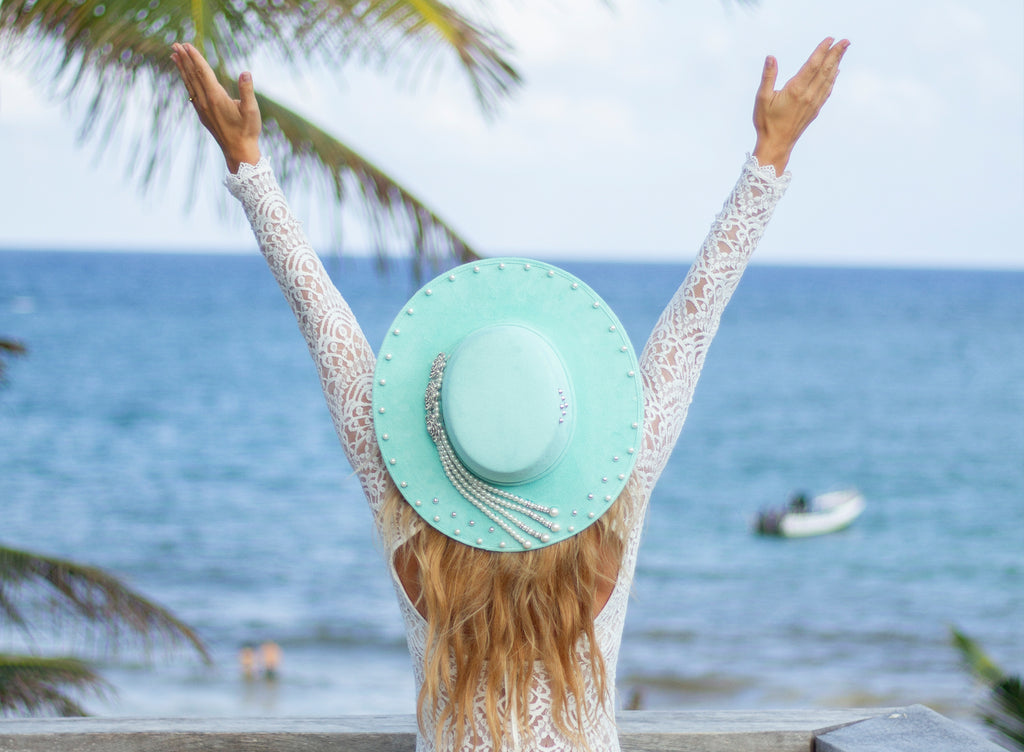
[
  {"x": 1004, "y": 710},
  {"x": 97, "y": 36},
  {"x": 87, "y": 595},
  {"x": 30, "y": 685},
  {"x": 977, "y": 661},
  {"x": 315, "y": 156},
  {"x": 114, "y": 56}
]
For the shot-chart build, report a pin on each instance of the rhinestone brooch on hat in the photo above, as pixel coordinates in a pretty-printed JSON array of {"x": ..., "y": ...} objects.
[{"x": 504, "y": 509}]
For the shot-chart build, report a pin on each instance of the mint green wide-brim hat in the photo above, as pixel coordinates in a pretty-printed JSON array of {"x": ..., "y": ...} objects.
[{"x": 508, "y": 404}]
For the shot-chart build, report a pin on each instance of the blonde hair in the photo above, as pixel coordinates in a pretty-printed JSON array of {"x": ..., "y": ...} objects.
[{"x": 492, "y": 616}]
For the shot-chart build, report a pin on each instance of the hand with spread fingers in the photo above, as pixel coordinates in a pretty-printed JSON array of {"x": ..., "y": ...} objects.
[
  {"x": 234, "y": 123},
  {"x": 780, "y": 117}
]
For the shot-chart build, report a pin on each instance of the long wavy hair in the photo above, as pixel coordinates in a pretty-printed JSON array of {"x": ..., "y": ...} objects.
[{"x": 492, "y": 617}]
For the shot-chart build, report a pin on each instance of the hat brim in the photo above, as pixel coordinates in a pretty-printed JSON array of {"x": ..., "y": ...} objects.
[{"x": 591, "y": 342}]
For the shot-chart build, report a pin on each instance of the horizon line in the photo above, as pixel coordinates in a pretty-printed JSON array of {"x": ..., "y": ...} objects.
[{"x": 601, "y": 258}]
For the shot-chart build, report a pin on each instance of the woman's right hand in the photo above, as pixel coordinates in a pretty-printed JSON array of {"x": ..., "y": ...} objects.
[
  {"x": 780, "y": 117},
  {"x": 234, "y": 123}
]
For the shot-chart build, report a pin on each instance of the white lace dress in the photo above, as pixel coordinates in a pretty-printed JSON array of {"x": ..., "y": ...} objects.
[{"x": 670, "y": 363}]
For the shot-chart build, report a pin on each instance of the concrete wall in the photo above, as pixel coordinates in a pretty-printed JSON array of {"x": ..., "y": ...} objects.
[{"x": 913, "y": 729}]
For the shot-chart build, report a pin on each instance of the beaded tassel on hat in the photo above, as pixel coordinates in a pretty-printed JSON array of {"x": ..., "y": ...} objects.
[{"x": 496, "y": 504}]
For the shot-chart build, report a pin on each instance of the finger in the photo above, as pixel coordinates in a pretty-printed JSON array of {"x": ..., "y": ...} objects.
[
  {"x": 203, "y": 72},
  {"x": 179, "y": 59},
  {"x": 829, "y": 70},
  {"x": 810, "y": 69},
  {"x": 830, "y": 65},
  {"x": 187, "y": 71},
  {"x": 247, "y": 94},
  {"x": 197, "y": 88},
  {"x": 200, "y": 78},
  {"x": 821, "y": 51},
  {"x": 768, "y": 76},
  {"x": 835, "y": 56}
]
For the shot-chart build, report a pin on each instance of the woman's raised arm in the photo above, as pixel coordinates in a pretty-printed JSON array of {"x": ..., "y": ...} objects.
[
  {"x": 674, "y": 355},
  {"x": 343, "y": 358}
]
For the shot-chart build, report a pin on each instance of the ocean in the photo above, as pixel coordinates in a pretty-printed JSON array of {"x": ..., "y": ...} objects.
[{"x": 167, "y": 425}]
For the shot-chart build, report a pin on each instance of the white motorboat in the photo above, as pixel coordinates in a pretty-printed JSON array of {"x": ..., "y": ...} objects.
[{"x": 822, "y": 514}]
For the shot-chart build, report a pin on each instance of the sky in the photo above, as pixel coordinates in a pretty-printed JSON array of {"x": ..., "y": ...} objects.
[{"x": 628, "y": 133}]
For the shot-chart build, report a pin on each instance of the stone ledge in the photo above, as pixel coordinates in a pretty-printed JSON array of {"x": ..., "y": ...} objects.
[
  {"x": 913, "y": 729},
  {"x": 847, "y": 730}
]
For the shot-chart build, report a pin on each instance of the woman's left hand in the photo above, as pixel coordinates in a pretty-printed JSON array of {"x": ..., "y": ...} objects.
[
  {"x": 780, "y": 117},
  {"x": 234, "y": 123}
]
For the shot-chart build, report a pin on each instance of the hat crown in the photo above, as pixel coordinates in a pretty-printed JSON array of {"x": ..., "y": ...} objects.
[{"x": 506, "y": 401}]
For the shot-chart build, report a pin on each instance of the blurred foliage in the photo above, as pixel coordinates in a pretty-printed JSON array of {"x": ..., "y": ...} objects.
[
  {"x": 115, "y": 56},
  {"x": 65, "y": 596},
  {"x": 69, "y": 597},
  {"x": 1003, "y": 710}
]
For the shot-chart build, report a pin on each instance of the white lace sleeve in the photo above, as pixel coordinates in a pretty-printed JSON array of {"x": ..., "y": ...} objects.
[
  {"x": 671, "y": 361},
  {"x": 343, "y": 357}
]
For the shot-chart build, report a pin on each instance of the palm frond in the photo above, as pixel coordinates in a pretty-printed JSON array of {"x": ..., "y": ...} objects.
[
  {"x": 434, "y": 25},
  {"x": 317, "y": 158},
  {"x": 96, "y": 35},
  {"x": 1003, "y": 711},
  {"x": 88, "y": 595},
  {"x": 114, "y": 56},
  {"x": 975, "y": 659},
  {"x": 30, "y": 685}
]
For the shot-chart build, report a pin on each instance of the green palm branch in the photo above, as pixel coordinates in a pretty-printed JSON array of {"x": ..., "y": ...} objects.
[
  {"x": 31, "y": 685},
  {"x": 115, "y": 55},
  {"x": 60, "y": 591},
  {"x": 1004, "y": 710},
  {"x": 322, "y": 160}
]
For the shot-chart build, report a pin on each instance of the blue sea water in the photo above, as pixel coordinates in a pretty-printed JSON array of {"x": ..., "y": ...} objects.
[{"x": 167, "y": 425}]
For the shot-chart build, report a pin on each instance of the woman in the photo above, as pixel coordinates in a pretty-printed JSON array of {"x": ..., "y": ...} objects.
[{"x": 514, "y": 609}]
